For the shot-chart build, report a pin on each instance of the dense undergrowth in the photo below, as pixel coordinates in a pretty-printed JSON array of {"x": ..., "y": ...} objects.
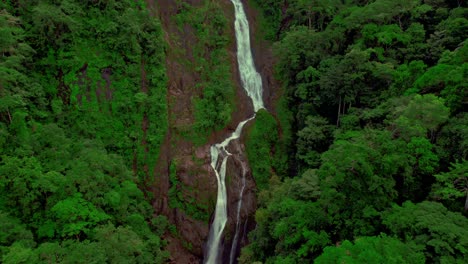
[
  {"x": 82, "y": 115},
  {"x": 214, "y": 106},
  {"x": 213, "y": 98}
]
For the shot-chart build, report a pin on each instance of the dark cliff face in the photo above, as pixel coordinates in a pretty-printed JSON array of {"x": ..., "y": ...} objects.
[
  {"x": 186, "y": 244},
  {"x": 237, "y": 169},
  {"x": 193, "y": 162},
  {"x": 264, "y": 61}
]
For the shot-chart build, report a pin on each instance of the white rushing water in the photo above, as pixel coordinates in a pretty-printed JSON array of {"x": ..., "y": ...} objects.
[
  {"x": 252, "y": 84},
  {"x": 251, "y": 79}
]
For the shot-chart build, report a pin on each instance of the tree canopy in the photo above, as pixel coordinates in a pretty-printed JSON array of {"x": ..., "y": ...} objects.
[
  {"x": 377, "y": 98},
  {"x": 72, "y": 184}
]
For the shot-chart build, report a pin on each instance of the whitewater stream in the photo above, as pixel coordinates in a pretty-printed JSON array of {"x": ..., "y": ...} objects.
[{"x": 252, "y": 84}]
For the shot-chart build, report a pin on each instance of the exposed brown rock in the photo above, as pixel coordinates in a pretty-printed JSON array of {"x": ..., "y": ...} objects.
[{"x": 193, "y": 163}]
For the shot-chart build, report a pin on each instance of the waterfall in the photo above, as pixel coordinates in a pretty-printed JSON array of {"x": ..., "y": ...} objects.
[
  {"x": 220, "y": 219},
  {"x": 252, "y": 84},
  {"x": 251, "y": 79}
]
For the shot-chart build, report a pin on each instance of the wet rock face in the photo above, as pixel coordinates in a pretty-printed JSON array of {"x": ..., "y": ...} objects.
[
  {"x": 264, "y": 61},
  {"x": 196, "y": 182},
  {"x": 191, "y": 231},
  {"x": 193, "y": 163},
  {"x": 238, "y": 169}
]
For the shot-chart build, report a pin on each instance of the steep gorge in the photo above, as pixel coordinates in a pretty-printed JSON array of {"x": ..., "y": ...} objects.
[{"x": 192, "y": 161}]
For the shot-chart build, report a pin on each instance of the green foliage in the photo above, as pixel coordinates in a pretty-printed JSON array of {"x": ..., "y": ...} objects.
[
  {"x": 76, "y": 204},
  {"x": 19, "y": 253},
  {"x": 288, "y": 224},
  {"x": 20, "y": 176},
  {"x": 454, "y": 183},
  {"x": 424, "y": 113},
  {"x": 75, "y": 215},
  {"x": 377, "y": 92},
  {"x": 179, "y": 200},
  {"x": 292, "y": 56},
  {"x": 453, "y": 141},
  {"x": 380, "y": 249},
  {"x": 215, "y": 102},
  {"x": 271, "y": 17},
  {"x": 439, "y": 233},
  {"x": 15, "y": 52},
  {"x": 285, "y": 143},
  {"x": 373, "y": 118},
  {"x": 78, "y": 79},
  {"x": 421, "y": 151},
  {"x": 174, "y": 195},
  {"x": 405, "y": 75},
  {"x": 96, "y": 71},
  {"x": 261, "y": 141},
  {"x": 313, "y": 139},
  {"x": 13, "y": 231},
  {"x": 360, "y": 168}
]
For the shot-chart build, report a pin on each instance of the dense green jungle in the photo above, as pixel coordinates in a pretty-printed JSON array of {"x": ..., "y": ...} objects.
[{"x": 360, "y": 158}]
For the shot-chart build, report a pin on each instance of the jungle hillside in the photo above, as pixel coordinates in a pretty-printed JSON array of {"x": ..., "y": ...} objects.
[{"x": 108, "y": 109}]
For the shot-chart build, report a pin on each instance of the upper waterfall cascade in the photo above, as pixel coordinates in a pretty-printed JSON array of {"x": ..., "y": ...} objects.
[
  {"x": 251, "y": 79},
  {"x": 252, "y": 84}
]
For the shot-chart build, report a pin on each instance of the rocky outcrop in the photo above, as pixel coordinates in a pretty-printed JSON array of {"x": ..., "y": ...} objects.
[
  {"x": 238, "y": 166},
  {"x": 193, "y": 162}
]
